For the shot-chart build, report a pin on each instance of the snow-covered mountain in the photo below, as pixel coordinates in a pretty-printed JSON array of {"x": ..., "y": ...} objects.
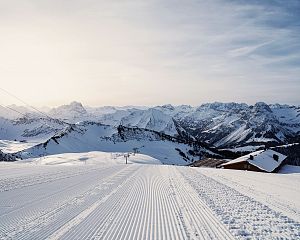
[
  {"x": 151, "y": 118},
  {"x": 29, "y": 128},
  {"x": 223, "y": 125},
  {"x": 13, "y": 111},
  {"x": 235, "y": 124},
  {"x": 72, "y": 112},
  {"x": 91, "y": 136},
  {"x": 217, "y": 124}
]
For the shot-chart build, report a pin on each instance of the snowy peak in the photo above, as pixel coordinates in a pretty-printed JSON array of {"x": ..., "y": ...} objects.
[
  {"x": 152, "y": 119},
  {"x": 261, "y": 107},
  {"x": 75, "y": 107},
  {"x": 232, "y": 124},
  {"x": 217, "y": 124},
  {"x": 168, "y": 107},
  {"x": 218, "y": 106},
  {"x": 72, "y": 111}
]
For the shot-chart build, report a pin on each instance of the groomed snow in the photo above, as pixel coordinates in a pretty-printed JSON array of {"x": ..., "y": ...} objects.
[
  {"x": 96, "y": 196},
  {"x": 279, "y": 191},
  {"x": 92, "y": 158}
]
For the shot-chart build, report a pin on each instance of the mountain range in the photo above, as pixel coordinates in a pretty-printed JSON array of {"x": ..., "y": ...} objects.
[{"x": 223, "y": 126}]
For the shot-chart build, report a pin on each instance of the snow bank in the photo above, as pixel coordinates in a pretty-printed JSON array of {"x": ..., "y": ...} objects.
[
  {"x": 289, "y": 169},
  {"x": 280, "y": 192},
  {"x": 92, "y": 158},
  {"x": 8, "y": 146}
]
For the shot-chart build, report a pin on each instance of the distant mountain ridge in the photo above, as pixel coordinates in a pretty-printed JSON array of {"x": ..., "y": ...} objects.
[{"x": 222, "y": 125}]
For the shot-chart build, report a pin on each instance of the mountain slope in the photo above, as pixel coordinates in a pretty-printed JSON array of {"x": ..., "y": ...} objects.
[
  {"x": 234, "y": 124},
  {"x": 29, "y": 128},
  {"x": 151, "y": 119},
  {"x": 72, "y": 112},
  {"x": 223, "y": 125},
  {"x": 91, "y": 136}
]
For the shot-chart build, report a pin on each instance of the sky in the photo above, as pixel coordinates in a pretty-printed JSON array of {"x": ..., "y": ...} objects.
[{"x": 149, "y": 52}]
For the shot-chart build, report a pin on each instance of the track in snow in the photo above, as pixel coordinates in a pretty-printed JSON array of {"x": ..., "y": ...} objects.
[
  {"x": 109, "y": 202},
  {"x": 128, "y": 202},
  {"x": 245, "y": 217}
]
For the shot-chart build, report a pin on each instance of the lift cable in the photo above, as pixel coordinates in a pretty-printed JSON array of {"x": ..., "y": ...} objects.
[{"x": 14, "y": 96}]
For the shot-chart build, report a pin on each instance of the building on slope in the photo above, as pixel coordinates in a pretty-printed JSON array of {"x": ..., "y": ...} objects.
[
  {"x": 260, "y": 161},
  {"x": 208, "y": 162}
]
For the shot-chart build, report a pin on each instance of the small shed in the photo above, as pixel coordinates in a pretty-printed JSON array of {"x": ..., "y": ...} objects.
[{"x": 259, "y": 161}]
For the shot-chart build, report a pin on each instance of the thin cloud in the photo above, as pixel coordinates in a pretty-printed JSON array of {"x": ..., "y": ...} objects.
[{"x": 121, "y": 51}]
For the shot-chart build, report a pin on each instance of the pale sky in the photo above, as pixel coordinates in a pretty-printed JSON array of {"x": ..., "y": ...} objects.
[{"x": 150, "y": 52}]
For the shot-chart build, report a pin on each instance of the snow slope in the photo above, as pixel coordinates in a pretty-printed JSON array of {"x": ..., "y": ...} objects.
[
  {"x": 90, "y": 158},
  {"x": 8, "y": 146},
  {"x": 151, "y": 119},
  {"x": 227, "y": 124},
  {"x": 141, "y": 201},
  {"x": 278, "y": 191},
  {"x": 90, "y": 136},
  {"x": 29, "y": 128}
]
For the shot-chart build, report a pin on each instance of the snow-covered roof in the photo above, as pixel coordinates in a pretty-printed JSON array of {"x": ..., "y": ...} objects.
[{"x": 263, "y": 159}]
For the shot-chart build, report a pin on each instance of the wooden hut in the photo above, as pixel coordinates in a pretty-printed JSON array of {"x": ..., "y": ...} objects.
[{"x": 260, "y": 161}]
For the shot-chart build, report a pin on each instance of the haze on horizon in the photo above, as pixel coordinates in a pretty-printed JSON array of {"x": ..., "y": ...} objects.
[{"x": 152, "y": 52}]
